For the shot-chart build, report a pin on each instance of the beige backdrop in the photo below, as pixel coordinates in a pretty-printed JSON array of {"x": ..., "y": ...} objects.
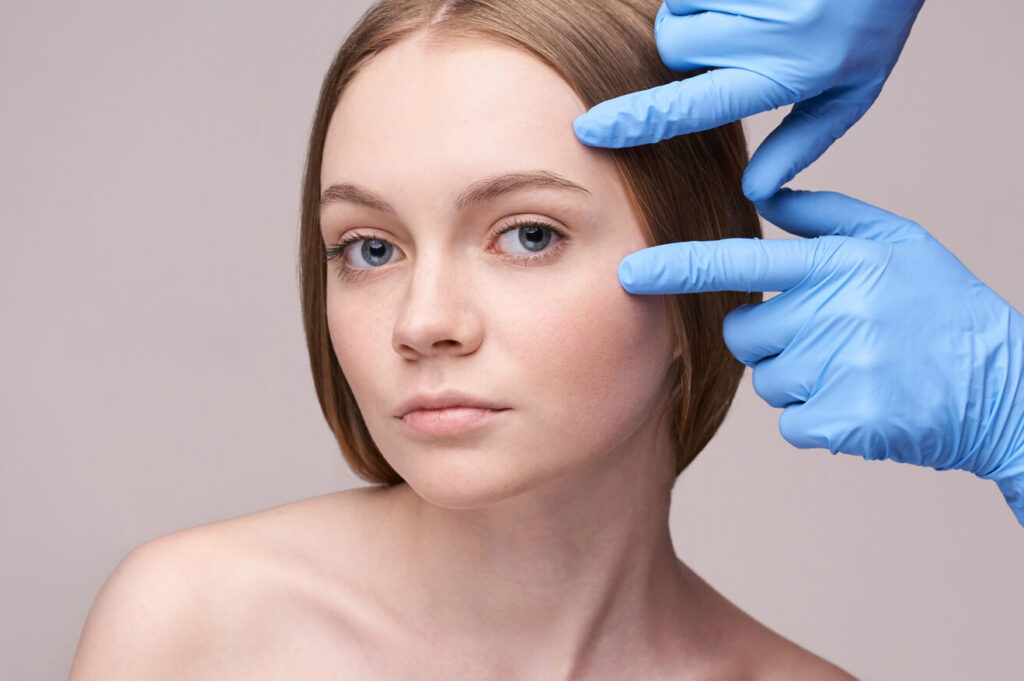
[{"x": 154, "y": 373}]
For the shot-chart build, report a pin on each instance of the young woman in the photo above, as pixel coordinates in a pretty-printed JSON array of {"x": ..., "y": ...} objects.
[{"x": 522, "y": 417}]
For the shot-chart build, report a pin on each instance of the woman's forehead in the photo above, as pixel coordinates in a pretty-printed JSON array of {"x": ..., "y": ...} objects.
[{"x": 470, "y": 106}]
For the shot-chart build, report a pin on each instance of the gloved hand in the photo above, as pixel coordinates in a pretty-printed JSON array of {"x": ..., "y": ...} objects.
[
  {"x": 882, "y": 343},
  {"x": 830, "y": 57}
]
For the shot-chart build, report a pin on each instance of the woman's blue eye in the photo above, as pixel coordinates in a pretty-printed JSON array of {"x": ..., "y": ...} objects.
[
  {"x": 532, "y": 235},
  {"x": 373, "y": 251},
  {"x": 376, "y": 251}
]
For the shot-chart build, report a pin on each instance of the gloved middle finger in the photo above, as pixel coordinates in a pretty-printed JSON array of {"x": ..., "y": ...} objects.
[{"x": 755, "y": 331}]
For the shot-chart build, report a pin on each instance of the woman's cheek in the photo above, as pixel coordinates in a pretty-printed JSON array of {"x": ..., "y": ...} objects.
[
  {"x": 360, "y": 335},
  {"x": 600, "y": 348}
]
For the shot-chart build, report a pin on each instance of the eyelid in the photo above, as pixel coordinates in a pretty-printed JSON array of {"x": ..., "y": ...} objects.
[{"x": 503, "y": 222}]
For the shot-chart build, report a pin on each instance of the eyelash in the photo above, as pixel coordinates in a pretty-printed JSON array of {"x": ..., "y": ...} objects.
[{"x": 347, "y": 273}]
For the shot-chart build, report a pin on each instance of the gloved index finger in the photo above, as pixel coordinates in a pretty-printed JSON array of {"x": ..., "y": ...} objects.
[
  {"x": 722, "y": 265},
  {"x": 690, "y": 105}
]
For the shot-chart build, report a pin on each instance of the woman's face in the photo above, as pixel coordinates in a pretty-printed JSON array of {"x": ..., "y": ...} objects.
[{"x": 533, "y": 321}]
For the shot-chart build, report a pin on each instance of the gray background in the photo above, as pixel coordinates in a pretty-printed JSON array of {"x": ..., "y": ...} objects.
[{"x": 154, "y": 373}]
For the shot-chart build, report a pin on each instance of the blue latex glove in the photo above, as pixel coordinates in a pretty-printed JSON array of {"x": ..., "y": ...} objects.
[
  {"x": 830, "y": 57},
  {"x": 882, "y": 343}
]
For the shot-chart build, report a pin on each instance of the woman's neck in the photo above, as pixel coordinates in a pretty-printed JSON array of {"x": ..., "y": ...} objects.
[{"x": 567, "y": 576}]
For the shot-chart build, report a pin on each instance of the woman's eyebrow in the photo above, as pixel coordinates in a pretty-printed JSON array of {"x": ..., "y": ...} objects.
[{"x": 481, "y": 190}]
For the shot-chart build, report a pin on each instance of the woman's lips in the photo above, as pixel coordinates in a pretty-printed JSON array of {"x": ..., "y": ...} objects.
[{"x": 451, "y": 420}]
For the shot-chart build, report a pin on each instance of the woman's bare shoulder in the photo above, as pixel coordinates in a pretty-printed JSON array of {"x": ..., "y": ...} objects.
[
  {"x": 248, "y": 584},
  {"x": 793, "y": 663},
  {"x": 756, "y": 652},
  {"x": 283, "y": 550},
  {"x": 780, "y": 659},
  {"x": 289, "y": 523}
]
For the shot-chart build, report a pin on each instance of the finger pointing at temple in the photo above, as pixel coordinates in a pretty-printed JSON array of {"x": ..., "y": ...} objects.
[
  {"x": 722, "y": 265},
  {"x": 860, "y": 232}
]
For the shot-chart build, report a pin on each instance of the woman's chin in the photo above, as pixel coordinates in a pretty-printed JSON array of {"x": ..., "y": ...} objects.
[{"x": 464, "y": 485}]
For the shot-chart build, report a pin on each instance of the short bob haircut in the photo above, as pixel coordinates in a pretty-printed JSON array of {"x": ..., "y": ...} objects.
[{"x": 682, "y": 189}]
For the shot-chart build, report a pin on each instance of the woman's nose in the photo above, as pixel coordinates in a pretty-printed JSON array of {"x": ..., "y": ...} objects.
[{"x": 438, "y": 315}]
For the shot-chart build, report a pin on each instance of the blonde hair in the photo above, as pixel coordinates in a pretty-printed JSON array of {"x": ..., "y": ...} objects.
[{"x": 685, "y": 188}]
